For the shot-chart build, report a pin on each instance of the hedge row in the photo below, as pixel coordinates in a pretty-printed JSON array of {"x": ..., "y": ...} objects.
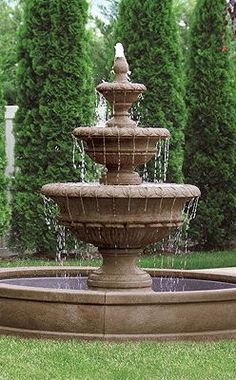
[{"x": 55, "y": 95}]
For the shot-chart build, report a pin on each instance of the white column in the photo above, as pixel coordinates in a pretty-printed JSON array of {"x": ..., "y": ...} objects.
[{"x": 10, "y": 140}]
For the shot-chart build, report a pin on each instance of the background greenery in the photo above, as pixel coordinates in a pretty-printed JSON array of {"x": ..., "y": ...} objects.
[
  {"x": 55, "y": 89},
  {"x": 55, "y": 95},
  {"x": 210, "y": 149},
  {"x": 149, "y": 34},
  {"x": 10, "y": 18},
  {"x": 4, "y": 210}
]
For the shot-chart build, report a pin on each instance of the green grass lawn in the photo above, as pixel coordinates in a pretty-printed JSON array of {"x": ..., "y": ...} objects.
[
  {"x": 47, "y": 360},
  {"x": 196, "y": 260}
]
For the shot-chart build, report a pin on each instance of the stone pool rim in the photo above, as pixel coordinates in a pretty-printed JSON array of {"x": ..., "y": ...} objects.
[{"x": 115, "y": 315}]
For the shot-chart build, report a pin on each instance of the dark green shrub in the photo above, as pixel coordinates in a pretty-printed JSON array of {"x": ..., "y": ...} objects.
[
  {"x": 149, "y": 34},
  {"x": 56, "y": 94},
  {"x": 10, "y": 17},
  {"x": 4, "y": 212},
  {"x": 210, "y": 156}
]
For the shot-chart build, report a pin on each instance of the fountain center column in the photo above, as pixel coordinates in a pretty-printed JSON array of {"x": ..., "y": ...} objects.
[{"x": 119, "y": 271}]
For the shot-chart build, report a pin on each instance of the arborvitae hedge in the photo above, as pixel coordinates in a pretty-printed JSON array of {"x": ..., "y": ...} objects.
[
  {"x": 56, "y": 94},
  {"x": 149, "y": 34},
  {"x": 210, "y": 159},
  {"x": 10, "y": 18},
  {"x": 4, "y": 214}
]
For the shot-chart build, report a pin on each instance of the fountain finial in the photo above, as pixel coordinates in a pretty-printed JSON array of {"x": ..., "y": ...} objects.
[
  {"x": 121, "y": 93},
  {"x": 119, "y": 48},
  {"x": 120, "y": 67}
]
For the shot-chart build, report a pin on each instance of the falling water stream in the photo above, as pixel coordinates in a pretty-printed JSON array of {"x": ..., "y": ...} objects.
[
  {"x": 61, "y": 251},
  {"x": 50, "y": 212},
  {"x": 79, "y": 162},
  {"x": 161, "y": 161},
  {"x": 177, "y": 243},
  {"x": 101, "y": 111}
]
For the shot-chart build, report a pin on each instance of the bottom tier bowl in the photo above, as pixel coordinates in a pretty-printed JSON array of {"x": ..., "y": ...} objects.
[{"x": 120, "y": 221}]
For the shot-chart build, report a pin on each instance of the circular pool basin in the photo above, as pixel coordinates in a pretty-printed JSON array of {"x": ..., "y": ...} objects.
[
  {"x": 159, "y": 284},
  {"x": 55, "y": 302}
]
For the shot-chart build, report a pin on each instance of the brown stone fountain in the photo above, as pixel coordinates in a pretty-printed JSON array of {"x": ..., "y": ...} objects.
[{"x": 120, "y": 216}]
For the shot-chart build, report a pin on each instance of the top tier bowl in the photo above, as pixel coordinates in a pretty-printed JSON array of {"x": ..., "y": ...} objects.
[
  {"x": 121, "y": 150},
  {"x": 121, "y": 146}
]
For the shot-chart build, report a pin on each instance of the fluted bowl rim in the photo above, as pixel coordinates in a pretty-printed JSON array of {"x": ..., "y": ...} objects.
[
  {"x": 96, "y": 190},
  {"x": 138, "y": 132}
]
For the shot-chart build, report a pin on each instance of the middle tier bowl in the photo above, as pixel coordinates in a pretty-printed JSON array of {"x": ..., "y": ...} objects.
[
  {"x": 120, "y": 216},
  {"x": 121, "y": 150}
]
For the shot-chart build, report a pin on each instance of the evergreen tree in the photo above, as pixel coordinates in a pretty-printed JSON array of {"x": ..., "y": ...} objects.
[
  {"x": 4, "y": 212},
  {"x": 210, "y": 159},
  {"x": 10, "y": 18},
  {"x": 148, "y": 31},
  {"x": 56, "y": 94}
]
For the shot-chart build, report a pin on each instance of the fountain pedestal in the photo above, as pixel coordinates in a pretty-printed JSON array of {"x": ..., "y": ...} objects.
[
  {"x": 123, "y": 178},
  {"x": 119, "y": 271}
]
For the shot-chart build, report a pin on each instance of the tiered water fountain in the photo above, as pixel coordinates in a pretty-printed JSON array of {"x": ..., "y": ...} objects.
[{"x": 120, "y": 216}]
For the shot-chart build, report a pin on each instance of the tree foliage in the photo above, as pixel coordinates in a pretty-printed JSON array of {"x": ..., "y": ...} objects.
[
  {"x": 4, "y": 212},
  {"x": 56, "y": 94},
  {"x": 149, "y": 33},
  {"x": 210, "y": 160},
  {"x": 10, "y": 18}
]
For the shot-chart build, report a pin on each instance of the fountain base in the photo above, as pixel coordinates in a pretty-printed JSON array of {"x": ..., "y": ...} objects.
[
  {"x": 119, "y": 271},
  {"x": 112, "y": 315}
]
